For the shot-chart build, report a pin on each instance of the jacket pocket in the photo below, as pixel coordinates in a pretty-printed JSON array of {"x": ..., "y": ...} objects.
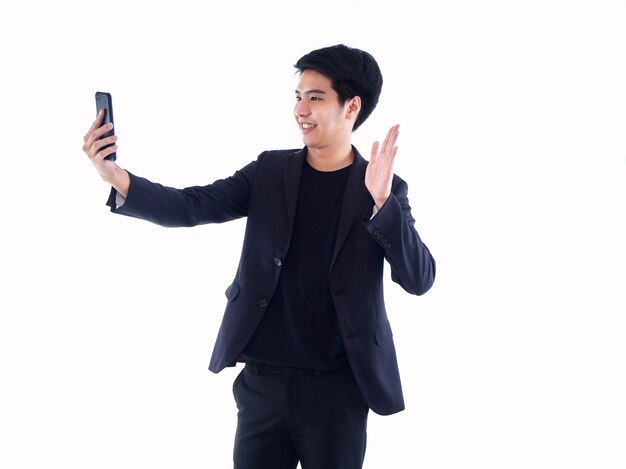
[
  {"x": 232, "y": 291},
  {"x": 383, "y": 333}
]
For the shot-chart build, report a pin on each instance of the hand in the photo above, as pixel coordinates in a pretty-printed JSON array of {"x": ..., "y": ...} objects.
[
  {"x": 108, "y": 170},
  {"x": 379, "y": 173}
]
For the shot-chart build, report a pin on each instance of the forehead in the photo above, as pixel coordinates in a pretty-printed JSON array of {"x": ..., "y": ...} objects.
[{"x": 314, "y": 80}]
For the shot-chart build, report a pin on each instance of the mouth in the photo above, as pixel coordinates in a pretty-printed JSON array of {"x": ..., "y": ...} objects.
[{"x": 306, "y": 125}]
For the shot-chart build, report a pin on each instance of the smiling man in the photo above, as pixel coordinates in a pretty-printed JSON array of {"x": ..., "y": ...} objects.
[{"x": 305, "y": 311}]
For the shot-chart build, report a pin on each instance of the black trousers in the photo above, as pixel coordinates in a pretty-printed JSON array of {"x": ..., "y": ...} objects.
[{"x": 289, "y": 415}]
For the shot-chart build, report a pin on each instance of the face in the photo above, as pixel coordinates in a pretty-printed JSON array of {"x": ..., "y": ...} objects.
[{"x": 323, "y": 121}]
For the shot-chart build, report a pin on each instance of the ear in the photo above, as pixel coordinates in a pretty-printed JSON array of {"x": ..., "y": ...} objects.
[{"x": 353, "y": 107}]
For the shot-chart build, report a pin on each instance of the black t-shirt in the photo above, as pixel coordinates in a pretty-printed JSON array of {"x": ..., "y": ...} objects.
[{"x": 300, "y": 325}]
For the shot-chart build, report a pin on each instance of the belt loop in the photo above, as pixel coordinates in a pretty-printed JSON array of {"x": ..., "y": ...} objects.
[{"x": 256, "y": 368}]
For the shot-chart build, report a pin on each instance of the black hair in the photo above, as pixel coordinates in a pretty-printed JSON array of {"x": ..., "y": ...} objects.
[{"x": 352, "y": 72}]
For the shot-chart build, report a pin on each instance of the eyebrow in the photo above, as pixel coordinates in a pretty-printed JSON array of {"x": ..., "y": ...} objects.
[{"x": 316, "y": 91}]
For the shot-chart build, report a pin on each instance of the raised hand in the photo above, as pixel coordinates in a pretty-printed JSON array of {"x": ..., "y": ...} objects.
[
  {"x": 108, "y": 170},
  {"x": 379, "y": 173}
]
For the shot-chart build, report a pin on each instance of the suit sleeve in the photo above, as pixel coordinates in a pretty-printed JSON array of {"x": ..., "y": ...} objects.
[
  {"x": 223, "y": 200},
  {"x": 393, "y": 228}
]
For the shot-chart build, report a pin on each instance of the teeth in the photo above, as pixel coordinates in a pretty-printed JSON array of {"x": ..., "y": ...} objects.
[{"x": 307, "y": 126}]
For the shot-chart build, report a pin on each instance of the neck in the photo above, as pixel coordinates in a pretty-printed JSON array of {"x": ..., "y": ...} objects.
[{"x": 330, "y": 159}]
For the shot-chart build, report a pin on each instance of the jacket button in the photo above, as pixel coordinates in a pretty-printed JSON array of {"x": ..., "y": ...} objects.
[
  {"x": 379, "y": 236},
  {"x": 387, "y": 245},
  {"x": 277, "y": 262},
  {"x": 376, "y": 232},
  {"x": 262, "y": 303}
]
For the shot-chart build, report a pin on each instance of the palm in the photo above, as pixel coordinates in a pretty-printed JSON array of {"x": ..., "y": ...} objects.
[{"x": 379, "y": 173}]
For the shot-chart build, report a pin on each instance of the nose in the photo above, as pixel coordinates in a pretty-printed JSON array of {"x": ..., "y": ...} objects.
[{"x": 302, "y": 108}]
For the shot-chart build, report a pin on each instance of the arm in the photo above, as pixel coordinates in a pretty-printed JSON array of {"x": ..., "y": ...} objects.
[
  {"x": 224, "y": 200},
  {"x": 393, "y": 226}
]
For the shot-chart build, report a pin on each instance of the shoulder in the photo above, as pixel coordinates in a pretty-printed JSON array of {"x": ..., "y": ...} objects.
[
  {"x": 279, "y": 155},
  {"x": 275, "y": 159}
]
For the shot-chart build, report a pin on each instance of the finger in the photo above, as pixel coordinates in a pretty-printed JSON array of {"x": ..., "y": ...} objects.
[
  {"x": 386, "y": 141},
  {"x": 97, "y": 133},
  {"x": 390, "y": 142},
  {"x": 104, "y": 141},
  {"x": 374, "y": 151},
  {"x": 95, "y": 124},
  {"x": 393, "y": 154},
  {"x": 99, "y": 145},
  {"x": 102, "y": 154},
  {"x": 389, "y": 139},
  {"x": 103, "y": 130},
  {"x": 95, "y": 146},
  {"x": 393, "y": 138},
  {"x": 395, "y": 131}
]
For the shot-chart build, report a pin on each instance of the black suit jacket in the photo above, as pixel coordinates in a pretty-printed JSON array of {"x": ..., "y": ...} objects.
[{"x": 266, "y": 192}]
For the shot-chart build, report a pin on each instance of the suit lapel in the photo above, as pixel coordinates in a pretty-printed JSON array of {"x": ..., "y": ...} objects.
[
  {"x": 293, "y": 172},
  {"x": 354, "y": 192}
]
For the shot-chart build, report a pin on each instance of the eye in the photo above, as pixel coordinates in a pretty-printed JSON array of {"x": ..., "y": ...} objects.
[
  {"x": 314, "y": 98},
  {"x": 298, "y": 98}
]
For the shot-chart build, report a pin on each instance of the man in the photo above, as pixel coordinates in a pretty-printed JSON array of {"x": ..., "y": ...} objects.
[{"x": 305, "y": 311}]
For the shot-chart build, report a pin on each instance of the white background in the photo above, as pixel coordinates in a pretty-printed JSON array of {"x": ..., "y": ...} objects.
[{"x": 512, "y": 141}]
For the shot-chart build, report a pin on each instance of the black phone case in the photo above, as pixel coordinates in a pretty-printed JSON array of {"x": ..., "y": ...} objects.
[{"x": 104, "y": 101}]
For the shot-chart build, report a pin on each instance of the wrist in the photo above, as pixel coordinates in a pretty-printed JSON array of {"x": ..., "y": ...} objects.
[
  {"x": 379, "y": 202},
  {"x": 120, "y": 180}
]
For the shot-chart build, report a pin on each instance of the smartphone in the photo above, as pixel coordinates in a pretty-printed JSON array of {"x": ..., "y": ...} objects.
[{"x": 104, "y": 101}]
